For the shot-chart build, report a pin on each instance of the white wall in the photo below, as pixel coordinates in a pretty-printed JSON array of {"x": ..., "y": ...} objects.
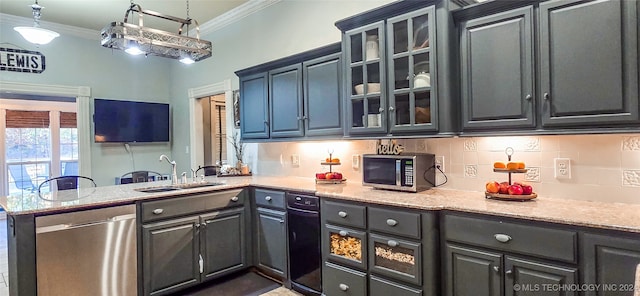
[{"x": 78, "y": 61}]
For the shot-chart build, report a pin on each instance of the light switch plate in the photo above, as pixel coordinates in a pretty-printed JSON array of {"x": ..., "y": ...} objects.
[
  {"x": 295, "y": 160},
  {"x": 562, "y": 168},
  {"x": 355, "y": 161}
]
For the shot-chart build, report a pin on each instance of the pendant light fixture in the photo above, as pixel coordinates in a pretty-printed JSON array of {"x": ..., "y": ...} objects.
[
  {"x": 137, "y": 39},
  {"x": 35, "y": 34}
]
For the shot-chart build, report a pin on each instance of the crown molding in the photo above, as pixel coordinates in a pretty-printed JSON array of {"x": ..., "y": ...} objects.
[
  {"x": 12, "y": 20},
  {"x": 235, "y": 15},
  {"x": 44, "y": 89}
]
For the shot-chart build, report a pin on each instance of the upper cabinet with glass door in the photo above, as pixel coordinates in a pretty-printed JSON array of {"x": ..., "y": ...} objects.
[
  {"x": 391, "y": 71},
  {"x": 412, "y": 71}
]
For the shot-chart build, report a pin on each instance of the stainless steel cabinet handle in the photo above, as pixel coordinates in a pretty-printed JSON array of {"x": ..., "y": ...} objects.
[
  {"x": 235, "y": 198},
  {"x": 158, "y": 211},
  {"x": 528, "y": 97},
  {"x": 546, "y": 96},
  {"x": 392, "y": 243},
  {"x": 391, "y": 108},
  {"x": 268, "y": 198},
  {"x": 343, "y": 233},
  {"x": 201, "y": 263},
  {"x": 343, "y": 287},
  {"x": 281, "y": 221},
  {"x": 392, "y": 222},
  {"x": 496, "y": 268},
  {"x": 508, "y": 272},
  {"x": 503, "y": 238},
  {"x": 342, "y": 214}
]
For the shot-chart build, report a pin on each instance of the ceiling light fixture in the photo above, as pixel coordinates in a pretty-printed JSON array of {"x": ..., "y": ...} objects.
[
  {"x": 35, "y": 34},
  {"x": 128, "y": 37}
]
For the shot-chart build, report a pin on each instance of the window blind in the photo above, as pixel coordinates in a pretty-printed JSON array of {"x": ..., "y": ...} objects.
[{"x": 27, "y": 119}]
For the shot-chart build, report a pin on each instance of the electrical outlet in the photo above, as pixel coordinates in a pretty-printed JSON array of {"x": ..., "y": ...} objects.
[
  {"x": 355, "y": 161},
  {"x": 440, "y": 162},
  {"x": 562, "y": 168},
  {"x": 295, "y": 160}
]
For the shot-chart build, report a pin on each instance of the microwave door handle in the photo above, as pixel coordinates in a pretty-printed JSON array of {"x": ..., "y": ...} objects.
[{"x": 398, "y": 165}]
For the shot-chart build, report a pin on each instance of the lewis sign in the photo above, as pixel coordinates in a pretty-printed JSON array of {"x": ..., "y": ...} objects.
[{"x": 20, "y": 60}]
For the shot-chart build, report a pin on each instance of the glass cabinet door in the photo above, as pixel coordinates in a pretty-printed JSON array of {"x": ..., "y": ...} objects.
[
  {"x": 412, "y": 79},
  {"x": 365, "y": 49}
]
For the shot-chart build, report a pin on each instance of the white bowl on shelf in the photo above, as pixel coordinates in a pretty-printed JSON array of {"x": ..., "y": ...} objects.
[{"x": 373, "y": 88}]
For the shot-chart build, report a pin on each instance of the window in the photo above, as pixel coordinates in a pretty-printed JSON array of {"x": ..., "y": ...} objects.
[{"x": 40, "y": 141}]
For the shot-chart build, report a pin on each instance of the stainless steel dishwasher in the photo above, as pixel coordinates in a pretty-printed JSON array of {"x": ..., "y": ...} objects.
[{"x": 90, "y": 252}]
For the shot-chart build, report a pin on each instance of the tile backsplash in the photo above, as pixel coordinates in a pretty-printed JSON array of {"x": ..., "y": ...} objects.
[{"x": 603, "y": 167}]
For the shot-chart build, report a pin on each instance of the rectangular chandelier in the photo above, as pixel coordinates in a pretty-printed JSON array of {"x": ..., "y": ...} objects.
[{"x": 137, "y": 39}]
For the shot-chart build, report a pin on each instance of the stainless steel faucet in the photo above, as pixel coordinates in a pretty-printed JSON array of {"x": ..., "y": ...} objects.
[{"x": 174, "y": 175}]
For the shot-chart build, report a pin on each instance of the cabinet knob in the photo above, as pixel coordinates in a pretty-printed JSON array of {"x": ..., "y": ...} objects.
[
  {"x": 268, "y": 198},
  {"x": 392, "y": 243},
  {"x": 528, "y": 97},
  {"x": 281, "y": 221},
  {"x": 235, "y": 198},
  {"x": 197, "y": 225},
  {"x": 343, "y": 287},
  {"x": 496, "y": 268},
  {"x": 391, "y": 108},
  {"x": 158, "y": 211},
  {"x": 380, "y": 110},
  {"x": 546, "y": 96},
  {"x": 508, "y": 272},
  {"x": 343, "y": 233},
  {"x": 392, "y": 222},
  {"x": 266, "y": 122},
  {"x": 503, "y": 238},
  {"x": 299, "y": 117},
  {"x": 342, "y": 214}
]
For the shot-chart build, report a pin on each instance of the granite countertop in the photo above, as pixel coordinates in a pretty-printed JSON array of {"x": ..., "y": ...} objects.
[{"x": 615, "y": 216}]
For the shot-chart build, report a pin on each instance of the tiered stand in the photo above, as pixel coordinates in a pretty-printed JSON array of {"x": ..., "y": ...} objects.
[
  {"x": 330, "y": 181},
  {"x": 509, "y": 152}
]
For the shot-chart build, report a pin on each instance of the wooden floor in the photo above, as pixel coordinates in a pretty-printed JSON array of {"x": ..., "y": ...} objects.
[{"x": 249, "y": 284}]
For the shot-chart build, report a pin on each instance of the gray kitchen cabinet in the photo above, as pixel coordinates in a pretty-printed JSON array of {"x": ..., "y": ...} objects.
[
  {"x": 223, "y": 247},
  {"x": 611, "y": 262},
  {"x": 497, "y": 79},
  {"x": 322, "y": 85},
  {"x": 472, "y": 272},
  {"x": 180, "y": 243},
  {"x": 285, "y": 96},
  {"x": 254, "y": 106},
  {"x": 171, "y": 252},
  {"x": 381, "y": 287},
  {"x": 272, "y": 241},
  {"x": 338, "y": 280},
  {"x": 589, "y": 63},
  {"x": 528, "y": 277},
  {"x": 391, "y": 75}
]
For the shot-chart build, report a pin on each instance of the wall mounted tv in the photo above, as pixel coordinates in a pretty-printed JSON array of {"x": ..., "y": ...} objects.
[{"x": 126, "y": 121}]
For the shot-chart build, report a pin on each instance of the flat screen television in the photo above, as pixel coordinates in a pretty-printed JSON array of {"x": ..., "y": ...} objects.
[{"x": 127, "y": 121}]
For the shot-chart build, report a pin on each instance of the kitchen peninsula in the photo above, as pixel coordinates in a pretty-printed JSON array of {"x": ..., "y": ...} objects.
[{"x": 607, "y": 231}]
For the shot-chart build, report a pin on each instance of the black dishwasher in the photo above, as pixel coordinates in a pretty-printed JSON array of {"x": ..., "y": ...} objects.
[{"x": 304, "y": 243}]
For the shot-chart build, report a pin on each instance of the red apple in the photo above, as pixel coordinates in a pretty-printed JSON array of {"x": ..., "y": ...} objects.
[
  {"x": 493, "y": 187},
  {"x": 515, "y": 190},
  {"x": 337, "y": 176},
  {"x": 527, "y": 189},
  {"x": 504, "y": 187},
  {"x": 321, "y": 176}
]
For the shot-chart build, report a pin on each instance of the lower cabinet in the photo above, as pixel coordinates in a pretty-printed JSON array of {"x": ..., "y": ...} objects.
[
  {"x": 476, "y": 272},
  {"x": 272, "y": 241},
  {"x": 612, "y": 263},
  {"x": 222, "y": 245},
  {"x": 339, "y": 280},
  {"x": 382, "y": 287}
]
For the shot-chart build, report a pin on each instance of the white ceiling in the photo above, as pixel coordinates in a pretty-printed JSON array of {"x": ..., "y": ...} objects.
[{"x": 96, "y": 14}]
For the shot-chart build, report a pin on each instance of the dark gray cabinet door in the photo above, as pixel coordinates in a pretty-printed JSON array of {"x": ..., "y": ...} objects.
[
  {"x": 497, "y": 71},
  {"x": 254, "y": 106},
  {"x": 223, "y": 247},
  {"x": 381, "y": 287},
  {"x": 471, "y": 272},
  {"x": 525, "y": 277},
  {"x": 170, "y": 255},
  {"x": 612, "y": 263},
  {"x": 323, "y": 95},
  {"x": 272, "y": 241},
  {"x": 285, "y": 95},
  {"x": 589, "y": 62}
]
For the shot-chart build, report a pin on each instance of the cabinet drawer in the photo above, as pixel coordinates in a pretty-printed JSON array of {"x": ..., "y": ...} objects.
[
  {"x": 394, "y": 222},
  {"x": 345, "y": 246},
  {"x": 396, "y": 258},
  {"x": 513, "y": 237},
  {"x": 269, "y": 198},
  {"x": 382, "y": 287},
  {"x": 343, "y": 214},
  {"x": 338, "y": 280},
  {"x": 185, "y": 205}
]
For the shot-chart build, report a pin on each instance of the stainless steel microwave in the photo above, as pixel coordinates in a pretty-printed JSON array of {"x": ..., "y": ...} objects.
[{"x": 405, "y": 172}]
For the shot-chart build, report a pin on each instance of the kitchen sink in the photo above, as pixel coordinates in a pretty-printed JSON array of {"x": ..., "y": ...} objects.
[{"x": 177, "y": 187}]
